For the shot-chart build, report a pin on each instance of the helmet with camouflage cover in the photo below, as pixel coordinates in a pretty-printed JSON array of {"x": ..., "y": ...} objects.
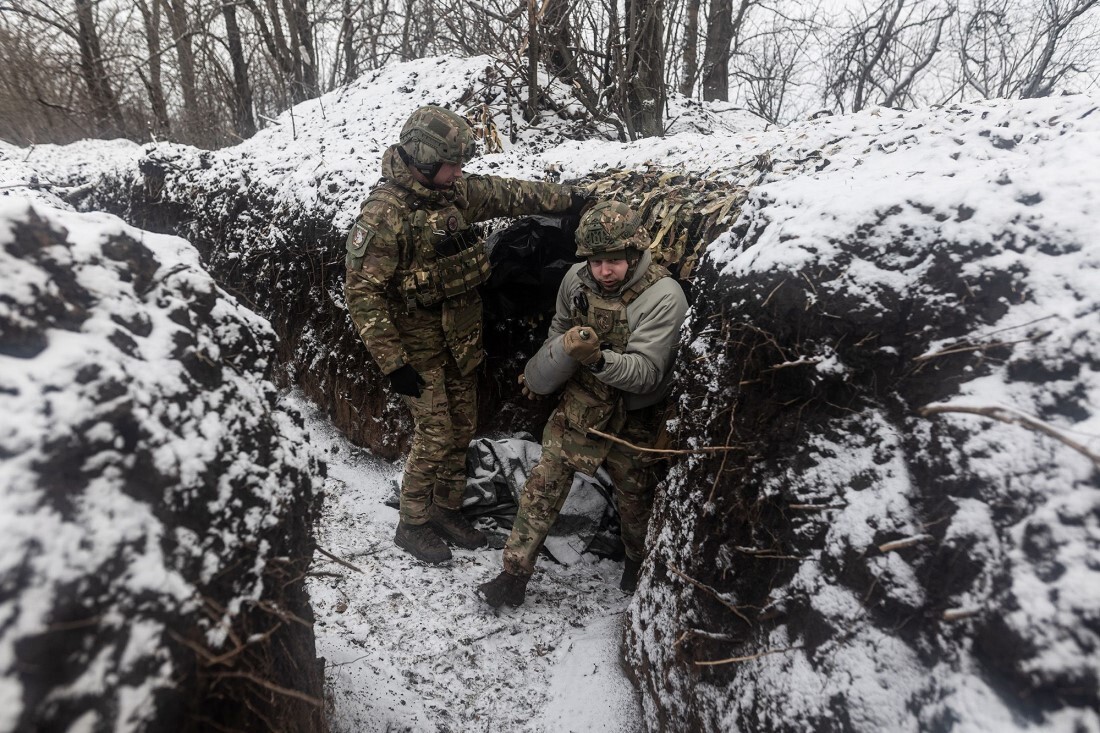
[
  {"x": 610, "y": 228},
  {"x": 433, "y": 136}
]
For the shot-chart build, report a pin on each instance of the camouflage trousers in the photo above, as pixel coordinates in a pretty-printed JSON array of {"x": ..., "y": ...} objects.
[
  {"x": 445, "y": 417},
  {"x": 634, "y": 475}
]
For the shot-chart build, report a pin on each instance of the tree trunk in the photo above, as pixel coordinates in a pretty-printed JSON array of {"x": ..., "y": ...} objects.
[
  {"x": 309, "y": 51},
  {"x": 180, "y": 23},
  {"x": 243, "y": 120},
  {"x": 716, "y": 56},
  {"x": 406, "y": 32},
  {"x": 347, "y": 38},
  {"x": 154, "y": 84},
  {"x": 691, "y": 49},
  {"x": 643, "y": 81},
  {"x": 301, "y": 50},
  {"x": 532, "y": 61},
  {"x": 105, "y": 107},
  {"x": 555, "y": 29},
  {"x": 274, "y": 40}
]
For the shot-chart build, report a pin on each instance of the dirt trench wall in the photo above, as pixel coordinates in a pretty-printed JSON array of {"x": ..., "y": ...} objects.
[
  {"x": 159, "y": 500},
  {"x": 283, "y": 262},
  {"x": 849, "y": 564}
]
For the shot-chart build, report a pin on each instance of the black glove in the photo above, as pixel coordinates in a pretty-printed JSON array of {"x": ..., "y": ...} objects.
[
  {"x": 407, "y": 381},
  {"x": 578, "y": 204}
]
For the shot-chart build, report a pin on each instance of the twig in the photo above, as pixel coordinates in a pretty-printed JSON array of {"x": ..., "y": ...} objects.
[
  {"x": 1013, "y": 417},
  {"x": 979, "y": 347},
  {"x": 1021, "y": 325},
  {"x": 800, "y": 361},
  {"x": 712, "y": 591},
  {"x": 345, "y": 563},
  {"x": 665, "y": 451},
  {"x": 272, "y": 686},
  {"x": 779, "y": 285},
  {"x": 749, "y": 658},
  {"x": 903, "y": 543},
  {"x": 692, "y": 633},
  {"x": 815, "y": 507},
  {"x": 958, "y": 614},
  {"x": 767, "y": 554}
]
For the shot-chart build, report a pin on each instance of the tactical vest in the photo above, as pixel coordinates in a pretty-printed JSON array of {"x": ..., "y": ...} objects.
[
  {"x": 447, "y": 259},
  {"x": 443, "y": 265},
  {"x": 587, "y": 402}
]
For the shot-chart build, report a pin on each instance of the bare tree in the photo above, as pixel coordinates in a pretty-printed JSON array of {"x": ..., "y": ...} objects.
[
  {"x": 723, "y": 28},
  {"x": 346, "y": 42},
  {"x": 244, "y": 122},
  {"x": 691, "y": 49},
  {"x": 183, "y": 22},
  {"x": 153, "y": 82},
  {"x": 641, "y": 76},
  {"x": 880, "y": 58},
  {"x": 774, "y": 63},
  {"x": 1008, "y": 50}
]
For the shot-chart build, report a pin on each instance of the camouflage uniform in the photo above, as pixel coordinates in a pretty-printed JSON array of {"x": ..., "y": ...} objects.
[
  {"x": 413, "y": 268},
  {"x": 638, "y": 327}
]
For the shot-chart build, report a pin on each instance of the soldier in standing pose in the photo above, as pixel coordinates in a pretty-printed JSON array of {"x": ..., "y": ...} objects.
[
  {"x": 413, "y": 268},
  {"x": 617, "y": 327}
]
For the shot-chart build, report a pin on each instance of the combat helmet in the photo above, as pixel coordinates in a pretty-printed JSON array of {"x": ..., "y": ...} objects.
[
  {"x": 611, "y": 227},
  {"x": 433, "y": 136}
]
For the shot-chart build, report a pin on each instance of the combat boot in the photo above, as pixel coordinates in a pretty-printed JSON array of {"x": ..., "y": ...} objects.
[
  {"x": 420, "y": 541},
  {"x": 451, "y": 525},
  {"x": 505, "y": 588},
  {"x": 629, "y": 582}
]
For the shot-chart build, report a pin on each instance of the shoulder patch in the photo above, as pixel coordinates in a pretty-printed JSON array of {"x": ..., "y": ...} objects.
[{"x": 358, "y": 239}]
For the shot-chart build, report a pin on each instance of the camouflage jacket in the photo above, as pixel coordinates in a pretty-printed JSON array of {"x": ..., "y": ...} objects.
[{"x": 413, "y": 269}]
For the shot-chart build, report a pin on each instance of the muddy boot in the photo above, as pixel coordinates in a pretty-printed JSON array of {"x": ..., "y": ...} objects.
[
  {"x": 629, "y": 582},
  {"x": 505, "y": 588},
  {"x": 420, "y": 541},
  {"x": 452, "y": 526}
]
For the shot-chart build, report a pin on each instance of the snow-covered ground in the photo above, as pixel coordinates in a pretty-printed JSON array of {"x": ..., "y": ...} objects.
[
  {"x": 886, "y": 210},
  {"x": 411, "y": 646}
]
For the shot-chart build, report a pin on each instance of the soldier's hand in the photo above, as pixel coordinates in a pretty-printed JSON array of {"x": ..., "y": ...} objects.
[
  {"x": 407, "y": 381},
  {"x": 579, "y": 202},
  {"x": 525, "y": 390},
  {"x": 580, "y": 342}
]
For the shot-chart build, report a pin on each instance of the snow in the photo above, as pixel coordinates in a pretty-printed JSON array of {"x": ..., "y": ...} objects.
[
  {"x": 874, "y": 203},
  {"x": 409, "y": 646},
  {"x": 92, "y": 352}
]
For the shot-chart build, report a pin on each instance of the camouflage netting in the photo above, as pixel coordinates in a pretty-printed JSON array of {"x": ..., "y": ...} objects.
[{"x": 157, "y": 502}]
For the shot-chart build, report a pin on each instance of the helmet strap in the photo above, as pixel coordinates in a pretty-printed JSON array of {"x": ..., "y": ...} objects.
[
  {"x": 428, "y": 170},
  {"x": 633, "y": 257}
]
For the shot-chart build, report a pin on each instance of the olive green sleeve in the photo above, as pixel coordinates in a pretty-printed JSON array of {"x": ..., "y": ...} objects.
[
  {"x": 374, "y": 246},
  {"x": 655, "y": 321},
  {"x": 493, "y": 196}
]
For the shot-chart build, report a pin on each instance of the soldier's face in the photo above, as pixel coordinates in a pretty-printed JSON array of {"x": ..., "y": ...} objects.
[
  {"x": 447, "y": 175},
  {"x": 609, "y": 273}
]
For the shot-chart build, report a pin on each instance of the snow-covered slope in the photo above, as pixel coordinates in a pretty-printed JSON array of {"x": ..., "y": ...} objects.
[
  {"x": 859, "y": 564},
  {"x": 154, "y": 496}
]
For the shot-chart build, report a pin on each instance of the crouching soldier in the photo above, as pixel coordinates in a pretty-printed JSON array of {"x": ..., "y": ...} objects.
[
  {"x": 413, "y": 269},
  {"x": 615, "y": 333}
]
